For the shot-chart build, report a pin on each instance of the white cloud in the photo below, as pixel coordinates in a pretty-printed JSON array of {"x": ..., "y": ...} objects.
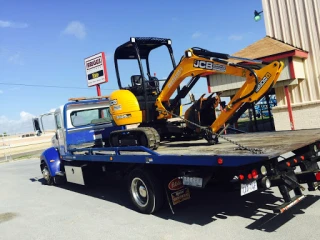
[
  {"x": 9, "y": 24},
  {"x": 24, "y": 124},
  {"x": 16, "y": 59},
  {"x": 196, "y": 35},
  {"x": 76, "y": 29},
  {"x": 235, "y": 37},
  {"x": 1, "y": 91}
]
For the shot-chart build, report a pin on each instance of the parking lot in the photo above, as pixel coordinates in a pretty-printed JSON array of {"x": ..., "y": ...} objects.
[{"x": 31, "y": 210}]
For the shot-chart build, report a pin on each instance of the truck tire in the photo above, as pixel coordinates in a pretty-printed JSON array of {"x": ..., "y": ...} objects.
[
  {"x": 48, "y": 179},
  {"x": 146, "y": 191},
  {"x": 46, "y": 174}
]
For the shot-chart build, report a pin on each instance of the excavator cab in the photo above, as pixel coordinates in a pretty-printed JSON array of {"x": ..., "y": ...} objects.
[
  {"x": 138, "y": 49},
  {"x": 144, "y": 86}
]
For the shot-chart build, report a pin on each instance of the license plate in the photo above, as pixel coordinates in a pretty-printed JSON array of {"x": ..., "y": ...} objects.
[
  {"x": 180, "y": 196},
  {"x": 249, "y": 187},
  {"x": 192, "y": 181}
]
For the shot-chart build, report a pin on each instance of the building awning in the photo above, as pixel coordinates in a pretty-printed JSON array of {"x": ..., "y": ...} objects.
[{"x": 267, "y": 49}]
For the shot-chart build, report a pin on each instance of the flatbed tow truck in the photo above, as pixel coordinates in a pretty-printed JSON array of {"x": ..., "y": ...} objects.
[
  {"x": 163, "y": 160},
  {"x": 81, "y": 151}
]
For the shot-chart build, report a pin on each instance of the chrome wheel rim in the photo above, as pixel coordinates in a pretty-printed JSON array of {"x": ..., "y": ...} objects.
[
  {"x": 139, "y": 192},
  {"x": 46, "y": 174}
]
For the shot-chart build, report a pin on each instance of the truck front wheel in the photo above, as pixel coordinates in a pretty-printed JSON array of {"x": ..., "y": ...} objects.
[
  {"x": 145, "y": 190},
  {"x": 46, "y": 174}
]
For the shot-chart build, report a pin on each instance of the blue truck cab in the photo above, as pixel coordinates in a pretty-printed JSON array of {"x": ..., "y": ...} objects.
[
  {"x": 79, "y": 123},
  {"x": 83, "y": 124}
]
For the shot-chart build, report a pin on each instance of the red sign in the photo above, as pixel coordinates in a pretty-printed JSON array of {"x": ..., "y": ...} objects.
[
  {"x": 96, "y": 69},
  {"x": 94, "y": 62},
  {"x": 175, "y": 184}
]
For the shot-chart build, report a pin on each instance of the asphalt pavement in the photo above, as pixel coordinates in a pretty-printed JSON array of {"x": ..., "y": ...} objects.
[{"x": 31, "y": 210}]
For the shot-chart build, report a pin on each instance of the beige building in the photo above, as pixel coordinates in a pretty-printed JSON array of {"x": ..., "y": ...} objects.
[{"x": 293, "y": 36}]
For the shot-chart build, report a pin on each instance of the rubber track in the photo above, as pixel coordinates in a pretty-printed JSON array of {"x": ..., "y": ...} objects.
[
  {"x": 156, "y": 136},
  {"x": 151, "y": 134}
]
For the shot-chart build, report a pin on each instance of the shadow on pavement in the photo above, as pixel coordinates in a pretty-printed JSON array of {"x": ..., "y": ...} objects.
[{"x": 205, "y": 206}]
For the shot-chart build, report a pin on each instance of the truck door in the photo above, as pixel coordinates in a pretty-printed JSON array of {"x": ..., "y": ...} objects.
[{"x": 60, "y": 134}]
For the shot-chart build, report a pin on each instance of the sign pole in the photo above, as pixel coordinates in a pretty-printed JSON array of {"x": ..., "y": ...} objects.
[{"x": 98, "y": 90}]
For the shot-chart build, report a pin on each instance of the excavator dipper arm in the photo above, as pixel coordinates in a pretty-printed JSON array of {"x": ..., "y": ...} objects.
[{"x": 200, "y": 62}]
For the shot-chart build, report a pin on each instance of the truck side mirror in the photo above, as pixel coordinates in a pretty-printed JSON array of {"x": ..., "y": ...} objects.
[{"x": 36, "y": 126}]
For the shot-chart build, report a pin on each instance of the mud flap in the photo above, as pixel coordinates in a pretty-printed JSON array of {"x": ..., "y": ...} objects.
[{"x": 176, "y": 193}]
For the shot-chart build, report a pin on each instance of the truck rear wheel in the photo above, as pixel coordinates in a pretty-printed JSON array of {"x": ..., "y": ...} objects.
[{"x": 145, "y": 190}]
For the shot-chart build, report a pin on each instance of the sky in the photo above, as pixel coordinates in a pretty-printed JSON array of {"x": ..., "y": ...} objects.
[{"x": 44, "y": 44}]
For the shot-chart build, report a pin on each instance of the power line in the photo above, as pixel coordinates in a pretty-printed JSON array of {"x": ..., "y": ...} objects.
[
  {"x": 47, "y": 86},
  {"x": 54, "y": 86}
]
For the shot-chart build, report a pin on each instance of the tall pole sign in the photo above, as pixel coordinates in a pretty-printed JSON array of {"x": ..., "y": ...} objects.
[{"x": 96, "y": 70}]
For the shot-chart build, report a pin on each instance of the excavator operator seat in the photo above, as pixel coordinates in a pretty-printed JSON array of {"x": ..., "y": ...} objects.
[
  {"x": 150, "y": 86},
  {"x": 154, "y": 84},
  {"x": 136, "y": 85},
  {"x": 136, "y": 80}
]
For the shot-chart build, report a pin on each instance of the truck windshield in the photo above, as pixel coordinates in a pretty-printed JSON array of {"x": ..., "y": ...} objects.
[{"x": 90, "y": 116}]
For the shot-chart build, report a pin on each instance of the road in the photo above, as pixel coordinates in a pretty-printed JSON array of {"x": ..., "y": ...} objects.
[{"x": 31, "y": 210}]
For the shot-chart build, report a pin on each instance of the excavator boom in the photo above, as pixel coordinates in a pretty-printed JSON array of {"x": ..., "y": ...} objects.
[{"x": 200, "y": 62}]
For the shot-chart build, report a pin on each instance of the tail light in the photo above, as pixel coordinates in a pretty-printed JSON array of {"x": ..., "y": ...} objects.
[
  {"x": 318, "y": 176},
  {"x": 249, "y": 176},
  {"x": 241, "y": 177},
  {"x": 254, "y": 173}
]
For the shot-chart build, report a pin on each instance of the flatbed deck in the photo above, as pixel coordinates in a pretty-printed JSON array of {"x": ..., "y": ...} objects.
[
  {"x": 200, "y": 153},
  {"x": 273, "y": 144}
]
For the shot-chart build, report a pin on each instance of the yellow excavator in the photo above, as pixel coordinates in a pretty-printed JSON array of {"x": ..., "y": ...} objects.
[{"x": 153, "y": 110}]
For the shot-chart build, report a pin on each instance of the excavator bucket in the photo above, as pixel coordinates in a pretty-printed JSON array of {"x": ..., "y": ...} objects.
[{"x": 202, "y": 112}]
